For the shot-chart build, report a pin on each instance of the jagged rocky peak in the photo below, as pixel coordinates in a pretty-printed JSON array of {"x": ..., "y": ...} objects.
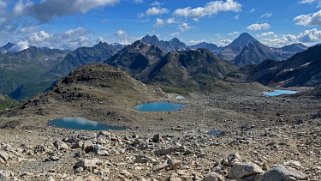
[{"x": 243, "y": 40}]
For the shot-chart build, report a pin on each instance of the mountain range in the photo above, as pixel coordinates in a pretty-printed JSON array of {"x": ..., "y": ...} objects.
[
  {"x": 169, "y": 63},
  {"x": 167, "y": 46},
  {"x": 21, "y": 72},
  {"x": 303, "y": 69},
  {"x": 186, "y": 69}
]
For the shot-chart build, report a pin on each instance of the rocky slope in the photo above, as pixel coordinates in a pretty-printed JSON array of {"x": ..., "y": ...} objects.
[
  {"x": 6, "y": 102},
  {"x": 95, "y": 91},
  {"x": 137, "y": 59},
  {"x": 190, "y": 69},
  {"x": 256, "y": 138},
  {"x": 303, "y": 69},
  {"x": 255, "y": 53}
]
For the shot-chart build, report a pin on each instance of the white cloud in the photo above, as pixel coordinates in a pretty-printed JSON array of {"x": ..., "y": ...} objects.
[
  {"x": 184, "y": 26},
  {"x": 156, "y": 3},
  {"x": 252, "y": 10},
  {"x": 307, "y": 1},
  {"x": 19, "y": 46},
  {"x": 122, "y": 37},
  {"x": 309, "y": 37},
  {"x": 120, "y": 32},
  {"x": 211, "y": 8},
  {"x": 313, "y": 35},
  {"x": 39, "y": 36},
  {"x": 266, "y": 15},
  {"x": 259, "y": 27},
  {"x": 308, "y": 19},
  {"x": 161, "y": 22},
  {"x": 153, "y": 11}
]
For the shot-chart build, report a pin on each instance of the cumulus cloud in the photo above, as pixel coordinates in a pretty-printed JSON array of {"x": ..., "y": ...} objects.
[
  {"x": 122, "y": 37},
  {"x": 46, "y": 10},
  {"x": 211, "y": 8},
  {"x": 259, "y": 27},
  {"x": 308, "y": 19},
  {"x": 184, "y": 26},
  {"x": 40, "y": 36},
  {"x": 120, "y": 32},
  {"x": 309, "y": 37},
  {"x": 153, "y": 11},
  {"x": 161, "y": 22},
  {"x": 19, "y": 46}
]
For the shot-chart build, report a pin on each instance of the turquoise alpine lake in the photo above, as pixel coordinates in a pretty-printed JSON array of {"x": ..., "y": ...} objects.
[
  {"x": 159, "y": 107},
  {"x": 279, "y": 92},
  {"x": 77, "y": 123}
]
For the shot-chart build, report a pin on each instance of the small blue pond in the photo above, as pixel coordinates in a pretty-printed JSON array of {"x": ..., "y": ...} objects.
[
  {"x": 279, "y": 92},
  {"x": 216, "y": 133},
  {"x": 82, "y": 124},
  {"x": 159, "y": 107}
]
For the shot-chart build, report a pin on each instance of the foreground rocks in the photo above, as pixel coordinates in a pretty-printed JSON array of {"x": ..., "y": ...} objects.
[{"x": 125, "y": 156}]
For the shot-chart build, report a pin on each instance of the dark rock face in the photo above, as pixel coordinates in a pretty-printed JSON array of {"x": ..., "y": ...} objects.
[
  {"x": 255, "y": 53},
  {"x": 303, "y": 69},
  {"x": 189, "y": 68},
  {"x": 209, "y": 46},
  {"x": 82, "y": 56},
  {"x": 167, "y": 46}
]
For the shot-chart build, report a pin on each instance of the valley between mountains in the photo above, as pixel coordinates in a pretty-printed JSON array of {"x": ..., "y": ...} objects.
[{"x": 254, "y": 137}]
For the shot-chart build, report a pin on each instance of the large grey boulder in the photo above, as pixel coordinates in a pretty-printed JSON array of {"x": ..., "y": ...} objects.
[
  {"x": 280, "y": 173},
  {"x": 242, "y": 170}
]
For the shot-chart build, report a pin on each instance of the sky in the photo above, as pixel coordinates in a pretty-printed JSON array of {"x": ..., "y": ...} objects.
[{"x": 68, "y": 24}]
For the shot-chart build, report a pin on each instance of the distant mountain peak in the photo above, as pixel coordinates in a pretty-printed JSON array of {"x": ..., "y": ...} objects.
[
  {"x": 150, "y": 39},
  {"x": 171, "y": 45},
  {"x": 243, "y": 40}
]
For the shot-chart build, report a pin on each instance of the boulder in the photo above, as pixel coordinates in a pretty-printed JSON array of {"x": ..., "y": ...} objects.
[
  {"x": 60, "y": 145},
  {"x": 242, "y": 170},
  {"x": 281, "y": 173}
]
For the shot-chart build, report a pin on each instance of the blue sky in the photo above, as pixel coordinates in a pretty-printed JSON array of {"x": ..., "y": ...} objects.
[{"x": 73, "y": 23}]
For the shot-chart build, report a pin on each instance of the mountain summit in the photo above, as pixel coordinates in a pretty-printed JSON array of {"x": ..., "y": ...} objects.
[
  {"x": 243, "y": 40},
  {"x": 233, "y": 49},
  {"x": 171, "y": 45}
]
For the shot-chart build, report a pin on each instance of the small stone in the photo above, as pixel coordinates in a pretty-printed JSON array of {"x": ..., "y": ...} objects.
[
  {"x": 50, "y": 179},
  {"x": 87, "y": 136},
  {"x": 126, "y": 174},
  {"x": 4, "y": 156},
  {"x": 88, "y": 164},
  {"x": 87, "y": 146},
  {"x": 60, "y": 145},
  {"x": 213, "y": 176},
  {"x": 157, "y": 138},
  {"x": 231, "y": 159},
  {"x": 141, "y": 159}
]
